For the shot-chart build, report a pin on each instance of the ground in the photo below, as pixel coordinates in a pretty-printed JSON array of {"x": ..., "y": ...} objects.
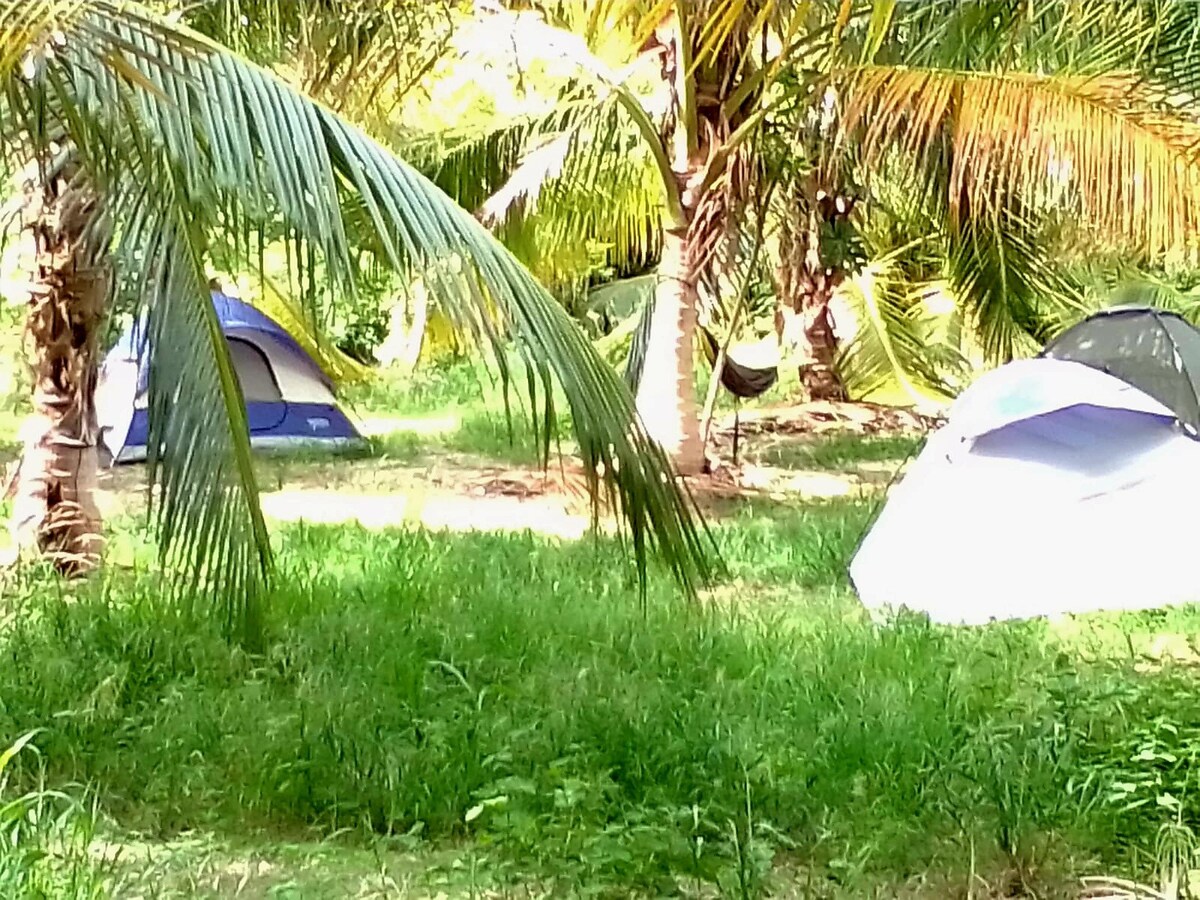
[
  {"x": 811, "y": 452},
  {"x": 463, "y": 696}
]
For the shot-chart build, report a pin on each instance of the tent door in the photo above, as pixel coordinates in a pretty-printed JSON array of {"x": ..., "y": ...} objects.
[{"x": 265, "y": 406}]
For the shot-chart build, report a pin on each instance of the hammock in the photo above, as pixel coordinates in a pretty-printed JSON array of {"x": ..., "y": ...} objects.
[{"x": 738, "y": 376}]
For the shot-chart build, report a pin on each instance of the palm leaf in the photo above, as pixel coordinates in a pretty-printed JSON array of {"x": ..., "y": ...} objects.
[
  {"x": 209, "y": 518},
  {"x": 360, "y": 55},
  {"x": 584, "y": 145},
  {"x": 472, "y": 163},
  {"x": 1006, "y": 283},
  {"x": 891, "y": 344},
  {"x": 241, "y": 142},
  {"x": 1130, "y": 163},
  {"x": 534, "y": 36},
  {"x": 567, "y": 192},
  {"x": 603, "y": 209},
  {"x": 1128, "y": 286}
]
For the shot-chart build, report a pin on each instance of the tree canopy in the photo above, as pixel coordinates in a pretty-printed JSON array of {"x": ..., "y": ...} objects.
[{"x": 185, "y": 139}]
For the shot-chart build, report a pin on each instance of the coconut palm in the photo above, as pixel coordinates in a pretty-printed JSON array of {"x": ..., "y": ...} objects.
[
  {"x": 149, "y": 140},
  {"x": 994, "y": 130},
  {"x": 648, "y": 146},
  {"x": 1057, "y": 106}
]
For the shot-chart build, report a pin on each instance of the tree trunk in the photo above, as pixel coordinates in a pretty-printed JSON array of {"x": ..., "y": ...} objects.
[
  {"x": 807, "y": 282},
  {"x": 819, "y": 375},
  {"x": 55, "y": 512},
  {"x": 404, "y": 342},
  {"x": 666, "y": 397}
]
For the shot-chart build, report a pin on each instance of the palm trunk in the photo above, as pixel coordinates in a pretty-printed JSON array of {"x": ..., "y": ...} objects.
[
  {"x": 806, "y": 285},
  {"x": 666, "y": 397},
  {"x": 404, "y": 342},
  {"x": 55, "y": 512},
  {"x": 819, "y": 375}
]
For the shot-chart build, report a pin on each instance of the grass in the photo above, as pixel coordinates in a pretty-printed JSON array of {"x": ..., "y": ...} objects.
[
  {"x": 452, "y": 408},
  {"x": 506, "y": 706},
  {"x": 840, "y": 452},
  {"x": 482, "y": 715}
]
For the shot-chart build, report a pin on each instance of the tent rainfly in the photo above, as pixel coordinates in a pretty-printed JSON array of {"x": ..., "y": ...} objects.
[
  {"x": 1059, "y": 485},
  {"x": 289, "y": 399}
]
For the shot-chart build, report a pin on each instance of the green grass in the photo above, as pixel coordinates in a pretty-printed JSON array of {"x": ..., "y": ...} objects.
[
  {"x": 839, "y": 453},
  {"x": 506, "y": 706},
  {"x": 502, "y": 715},
  {"x": 45, "y": 837},
  {"x": 454, "y": 408}
]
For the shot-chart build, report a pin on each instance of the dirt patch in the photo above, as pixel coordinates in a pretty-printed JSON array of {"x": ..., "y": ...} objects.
[
  {"x": 825, "y": 419},
  {"x": 463, "y": 492}
]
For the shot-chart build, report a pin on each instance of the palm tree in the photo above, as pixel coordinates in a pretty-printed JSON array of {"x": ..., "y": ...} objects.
[
  {"x": 985, "y": 127},
  {"x": 710, "y": 96},
  {"x": 690, "y": 91},
  {"x": 170, "y": 139}
]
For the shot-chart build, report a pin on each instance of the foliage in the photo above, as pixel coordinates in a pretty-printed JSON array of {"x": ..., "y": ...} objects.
[
  {"x": 219, "y": 155},
  {"x": 361, "y": 56},
  {"x": 414, "y": 680},
  {"x": 1005, "y": 123},
  {"x": 45, "y": 836},
  {"x": 934, "y": 102},
  {"x": 537, "y": 708},
  {"x": 897, "y": 336}
]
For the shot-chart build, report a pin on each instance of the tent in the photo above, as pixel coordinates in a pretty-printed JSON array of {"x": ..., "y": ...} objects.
[
  {"x": 289, "y": 399},
  {"x": 1060, "y": 484}
]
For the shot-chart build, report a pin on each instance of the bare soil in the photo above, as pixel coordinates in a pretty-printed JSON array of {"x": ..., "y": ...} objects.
[{"x": 461, "y": 492}]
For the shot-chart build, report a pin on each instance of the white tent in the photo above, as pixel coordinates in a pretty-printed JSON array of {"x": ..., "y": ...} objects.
[{"x": 1054, "y": 488}]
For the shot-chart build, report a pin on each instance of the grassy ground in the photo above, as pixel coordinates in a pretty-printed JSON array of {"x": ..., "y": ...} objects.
[{"x": 449, "y": 714}]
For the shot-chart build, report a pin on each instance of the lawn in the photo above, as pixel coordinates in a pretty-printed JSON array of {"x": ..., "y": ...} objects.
[{"x": 473, "y": 712}]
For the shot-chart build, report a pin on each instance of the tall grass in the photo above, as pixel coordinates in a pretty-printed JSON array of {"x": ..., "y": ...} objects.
[
  {"x": 45, "y": 837},
  {"x": 513, "y": 692},
  {"x": 507, "y": 705}
]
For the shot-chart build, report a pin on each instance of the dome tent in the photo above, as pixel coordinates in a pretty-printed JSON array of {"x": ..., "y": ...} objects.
[
  {"x": 289, "y": 399},
  {"x": 1154, "y": 350},
  {"x": 1056, "y": 486}
]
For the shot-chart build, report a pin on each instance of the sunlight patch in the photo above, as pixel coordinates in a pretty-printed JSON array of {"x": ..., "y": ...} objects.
[
  {"x": 378, "y": 511},
  {"x": 378, "y": 426}
]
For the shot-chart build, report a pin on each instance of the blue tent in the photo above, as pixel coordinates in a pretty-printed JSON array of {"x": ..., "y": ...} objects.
[{"x": 289, "y": 400}]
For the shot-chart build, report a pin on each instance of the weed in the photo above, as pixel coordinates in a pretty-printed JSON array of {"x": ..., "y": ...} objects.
[{"x": 45, "y": 836}]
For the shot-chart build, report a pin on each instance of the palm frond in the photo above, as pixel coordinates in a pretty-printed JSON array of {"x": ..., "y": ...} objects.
[
  {"x": 243, "y": 143},
  {"x": 593, "y": 202},
  {"x": 892, "y": 344},
  {"x": 360, "y": 56},
  {"x": 1087, "y": 37},
  {"x": 472, "y": 163},
  {"x": 1006, "y": 283},
  {"x": 1130, "y": 164},
  {"x": 569, "y": 192},
  {"x": 531, "y": 35},
  {"x": 1129, "y": 286},
  {"x": 639, "y": 344},
  {"x": 588, "y": 136},
  {"x": 209, "y": 517}
]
